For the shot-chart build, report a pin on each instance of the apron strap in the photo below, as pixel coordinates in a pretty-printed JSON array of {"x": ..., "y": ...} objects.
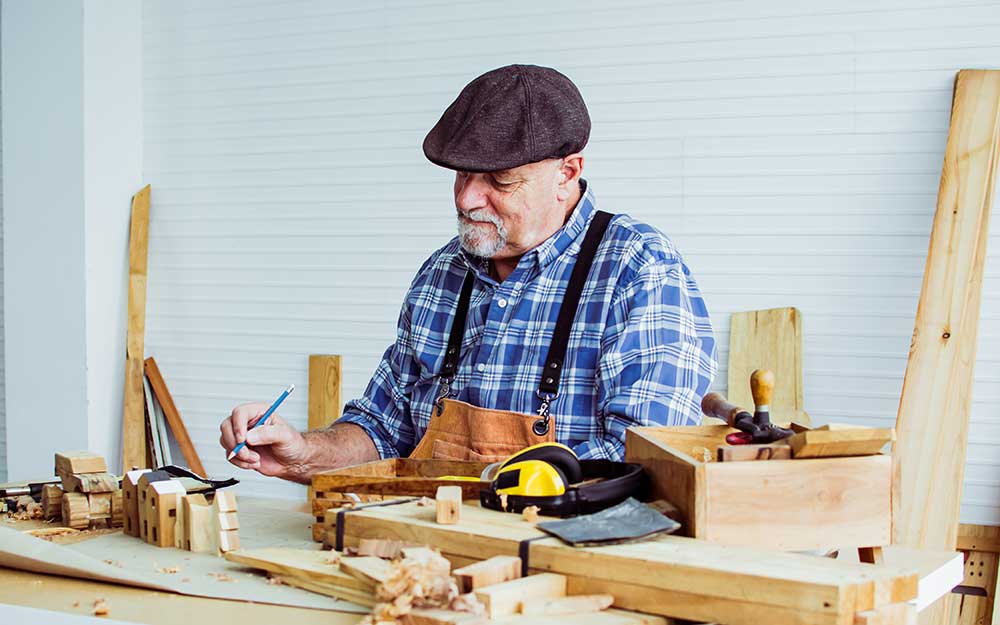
[
  {"x": 454, "y": 352},
  {"x": 549, "y": 386}
]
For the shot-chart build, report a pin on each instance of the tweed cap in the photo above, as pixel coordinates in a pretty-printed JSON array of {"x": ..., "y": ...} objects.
[{"x": 509, "y": 117}]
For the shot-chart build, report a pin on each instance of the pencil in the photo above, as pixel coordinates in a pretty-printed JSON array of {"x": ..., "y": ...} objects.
[{"x": 263, "y": 420}]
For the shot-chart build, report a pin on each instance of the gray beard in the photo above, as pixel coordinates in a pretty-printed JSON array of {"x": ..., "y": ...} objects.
[{"x": 473, "y": 239}]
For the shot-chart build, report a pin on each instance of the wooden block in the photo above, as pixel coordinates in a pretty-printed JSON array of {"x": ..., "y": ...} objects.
[
  {"x": 431, "y": 616},
  {"x": 145, "y": 478},
  {"x": 895, "y": 614},
  {"x": 196, "y": 526},
  {"x": 229, "y": 540},
  {"x": 173, "y": 416},
  {"x": 385, "y": 549},
  {"x": 117, "y": 509},
  {"x": 870, "y": 555},
  {"x": 508, "y": 597},
  {"x": 487, "y": 572},
  {"x": 834, "y": 443},
  {"x": 134, "y": 418},
  {"x": 228, "y": 521},
  {"x": 75, "y": 511},
  {"x": 162, "y": 500},
  {"x": 319, "y": 532},
  {"x": 448, "y": 503},
  {"x": 100, "y": 506},
  {"x": 130, "y": 501},
  {"x": 225, "y": 501},
  {"x": 51, "y": 502},
  {"x": 933, "y": 417},
  {"x": 569, "y": 605},
  {"x": 367, "y": 568},
  {"x": 744, "y": 453},
  {"x": 90, "y": 483},
  {"x": 70, "y": 462}
]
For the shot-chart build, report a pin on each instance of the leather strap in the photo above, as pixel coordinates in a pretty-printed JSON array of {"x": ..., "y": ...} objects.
[{"x": 454, "y": 351}]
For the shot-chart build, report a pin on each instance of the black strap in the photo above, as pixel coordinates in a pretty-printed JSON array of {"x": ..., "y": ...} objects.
[
  {"x": 524, "y": 551},
  {"x": 571, "y": 300},
  {"x": 454, "y": 352},
  {"x": 342, "y": 514}
]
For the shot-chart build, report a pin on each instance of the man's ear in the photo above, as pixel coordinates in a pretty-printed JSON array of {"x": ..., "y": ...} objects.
[{"x": 570, "y": 170}]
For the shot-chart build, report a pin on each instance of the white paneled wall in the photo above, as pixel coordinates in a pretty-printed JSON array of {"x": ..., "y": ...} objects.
[
  {"x": 791, "y": 150},
  {"x": 3, "y": 402}
]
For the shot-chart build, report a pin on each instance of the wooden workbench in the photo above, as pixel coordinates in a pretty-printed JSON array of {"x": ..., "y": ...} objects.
[{"x": 155, "y": 607}]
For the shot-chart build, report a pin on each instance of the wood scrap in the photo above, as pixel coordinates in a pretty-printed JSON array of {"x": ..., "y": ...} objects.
[
  {"x": 747, "y": 453},
  {"x": 821, "y": 443},
  {"x": 361, "y": 597},
  {"x": 448, "y": 504},
  {"x": 569, "y": 605},
  {"x": 90, "y": 483},
  {"x": 487, "y": 572},
  {"x": 530, "y": 514},
  {"x": 385, "y": 549},
  {"x": 173, "y": 416},
  {"x": 518, "y": 595},
  {"x": 48, "y": 533},
  {"x": 437, "y": 616},
  {"x": 300, "y": 563},
  {"x": 70, "y": 462},
  {"x": 100, "y": 607},
  {"x": 134, "y": 416},
  {"x": 935, "y": 402},
  {"x": 369, "y": 569}
]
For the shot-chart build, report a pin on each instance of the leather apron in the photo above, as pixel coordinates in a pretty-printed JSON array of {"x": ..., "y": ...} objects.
[{"x": 461, "y": 431}]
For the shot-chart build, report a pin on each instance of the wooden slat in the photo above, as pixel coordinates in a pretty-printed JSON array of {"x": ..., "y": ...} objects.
[
  {"x": 668, "y": 576},
  {"x": 768, "y": 339},
  {"x": 134, "y": 414},
  {"x": 318, "y": 566},
  {"x": 324, "y": 390},
  {"x": 833, "y": 443},
  {"x": 173, "y": 417},
  {"x": 933, "y": 418}
]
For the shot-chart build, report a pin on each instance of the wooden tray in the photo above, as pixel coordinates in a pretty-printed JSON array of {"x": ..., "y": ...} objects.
[{"x": 791, "y": 505}]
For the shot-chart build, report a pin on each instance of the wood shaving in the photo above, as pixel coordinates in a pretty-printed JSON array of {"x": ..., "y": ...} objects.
[
  {"x": 274, "y": 581},
  {"x": 426, "y": 501},
  {"x": 168, "y": 569},
  {"x": 114, "y": 563},
  {"x": 420, "y": 579},
  {"x": 101, "y": 607},
  {"x": 76, "y": 604},
  {"x": 503, "y": 501},
  {"x": 23, "y": 502},
  {"x": 530, "y": 514},
  {"x": 222, "y": 577},
  {"x": 468, "y": 603}
]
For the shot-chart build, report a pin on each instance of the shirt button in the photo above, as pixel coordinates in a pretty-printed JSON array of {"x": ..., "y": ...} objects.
[
  {"x": 502, "y": 303},
  {"x": 480, "y": 367}
]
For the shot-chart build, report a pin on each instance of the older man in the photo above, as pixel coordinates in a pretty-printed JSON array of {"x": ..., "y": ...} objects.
[{"x": 546, "y": 319}]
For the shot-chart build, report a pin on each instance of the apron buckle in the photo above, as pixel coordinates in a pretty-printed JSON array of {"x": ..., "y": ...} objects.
[
  {"x": 541, "y": 426},
  {"x": 443, "y": 394}
]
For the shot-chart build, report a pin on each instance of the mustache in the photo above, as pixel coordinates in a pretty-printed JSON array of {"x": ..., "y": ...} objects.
[{"x": 479, "y": 215}]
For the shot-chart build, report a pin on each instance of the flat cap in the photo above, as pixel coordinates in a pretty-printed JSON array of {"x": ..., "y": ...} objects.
[{"x": 509, "y": 117}]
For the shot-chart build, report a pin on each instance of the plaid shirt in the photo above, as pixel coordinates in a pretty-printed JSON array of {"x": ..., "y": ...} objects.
[{"x": 641, "y": 351}]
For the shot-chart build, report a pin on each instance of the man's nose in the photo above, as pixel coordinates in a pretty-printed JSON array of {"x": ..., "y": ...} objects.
[{"x": 470, "y": 192}]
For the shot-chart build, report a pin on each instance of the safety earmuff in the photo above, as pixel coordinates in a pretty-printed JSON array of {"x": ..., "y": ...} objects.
[{"x": 558, "y": 455}]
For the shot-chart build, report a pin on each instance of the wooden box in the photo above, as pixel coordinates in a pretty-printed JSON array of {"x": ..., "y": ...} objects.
[
  {"x": 790, "y": 505},
  {"x": 403, "y": 477}
]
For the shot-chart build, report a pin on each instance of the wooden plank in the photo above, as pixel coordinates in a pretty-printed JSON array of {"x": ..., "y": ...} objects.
[
  {"x": 933, "y": 418},
  {"x": 671, "y": 576},
  {"x": 90, "y": 483},
  {"x": 359, "y": 597},
  {"x": 580, "y": 604},
  {"x": 324, "y": 390},
  {"x": 699, "y": 442},
  {"x": 833, "y": 443},
  {"x": 507, "y": 597},
  {"x": 433, "y": 616},
  {"x": 401, "y": 477},
  {"x": 607, "y": 617},
  {"x": 173, "y": 417},
  {"x": 369, "y": 569},
  {"x": 744, "y": 453},
  {"x": 979, "y": 538},
  {"x": 768, "y": 339},
  {"x": 134, "y": 415},
  {"x": 823, "y": 503},
  {"x": 674, "y": 476},
  {"x": 319, "y": 566},
  {"x": 487, "y": 572},
  {"x": 895, "y": 614},
  {"x": 69, "y": 462}
]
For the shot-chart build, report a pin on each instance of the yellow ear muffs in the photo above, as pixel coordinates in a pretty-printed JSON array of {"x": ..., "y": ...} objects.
[
  {"x": 556, "y": 454},
  {"x": 531, "y": 478}
]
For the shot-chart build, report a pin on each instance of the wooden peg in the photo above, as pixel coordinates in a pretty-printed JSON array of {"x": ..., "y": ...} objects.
[{"x": 449, "y": 504}]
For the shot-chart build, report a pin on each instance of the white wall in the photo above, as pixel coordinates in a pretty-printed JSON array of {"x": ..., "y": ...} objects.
[
  {"x": 792, "y": 150},
  {"x": 72, "y": 159},
  {"x": 3, "y": 403}
]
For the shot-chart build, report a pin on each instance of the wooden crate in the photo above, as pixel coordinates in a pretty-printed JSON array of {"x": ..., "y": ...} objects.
[
  {"x": 394, "y": 477},
  {"x": 790, "y": 505}
]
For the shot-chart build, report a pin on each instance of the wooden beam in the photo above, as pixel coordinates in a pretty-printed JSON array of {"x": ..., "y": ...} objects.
[
  {"x": 324, "y": 390},
  {"x": 579, "y": 604},
  {"x": 933, "y": 418},
  {"x": 134, "y": 415},
  {"x": 173, "y": 417}
]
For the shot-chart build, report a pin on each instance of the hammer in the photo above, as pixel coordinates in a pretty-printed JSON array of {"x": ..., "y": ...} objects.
[{"x": 754, "y": 428}]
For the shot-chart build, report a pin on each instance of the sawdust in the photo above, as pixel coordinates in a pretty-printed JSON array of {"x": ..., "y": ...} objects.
[
  {"x": 423, "y": 502},
  {"x": 101, "y": 607},
  {"x": 530, "y": 514},
  {"x": 114, "y": 563},
  {"x": 274, "y": 581},
  {"x": 222, "y": 577},
  {"x": 170, "y": 570}
]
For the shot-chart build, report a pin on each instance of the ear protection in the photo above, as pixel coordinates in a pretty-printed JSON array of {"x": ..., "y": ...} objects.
[{"x": 550, "y": 476}]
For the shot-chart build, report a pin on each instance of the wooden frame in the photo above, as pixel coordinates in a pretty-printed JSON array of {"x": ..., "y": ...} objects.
[{"x": 791, "y": 505}]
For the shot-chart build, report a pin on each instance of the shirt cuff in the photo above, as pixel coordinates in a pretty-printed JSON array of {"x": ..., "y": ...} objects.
[{"x": 385, "y": 450}]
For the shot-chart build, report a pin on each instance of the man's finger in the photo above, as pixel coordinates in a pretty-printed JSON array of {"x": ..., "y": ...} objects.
[
  {"x": 269, "y": 434},
  {"x": 227, "y": 440}
]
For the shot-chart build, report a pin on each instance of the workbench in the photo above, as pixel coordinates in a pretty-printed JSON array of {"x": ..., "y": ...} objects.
[{"x": 290, "y": 527}]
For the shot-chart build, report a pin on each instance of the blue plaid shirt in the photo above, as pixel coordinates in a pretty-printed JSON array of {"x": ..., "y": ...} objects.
[{"x": 641, "y": 351}]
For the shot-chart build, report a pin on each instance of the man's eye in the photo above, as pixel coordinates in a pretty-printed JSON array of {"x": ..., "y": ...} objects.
[{"x": 500, "y": 184}]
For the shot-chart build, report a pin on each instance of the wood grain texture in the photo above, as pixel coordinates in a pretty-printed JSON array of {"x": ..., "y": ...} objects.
[
  {"x": 933, "y": 417},
  {"x": 743, "y": 453},
  {"x": 173, "y": 416},
  {"x": 70, "y": 462},
  {"x": 768, "y": 339},
  {"x": 833, "y": 443},
  {"x": 674, "y": 476},
  {"x": 324, "y": 390},
  {"x": 134, "y": 415},
  {"x": 506, "y": 598},
  {"x": 400, "y": 476},
  {"x": 980, "y": 544}
]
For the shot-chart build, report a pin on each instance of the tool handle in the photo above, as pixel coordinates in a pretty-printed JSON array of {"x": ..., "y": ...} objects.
[
  {"x": 762, "y": 388},
  {"x": 716, "y": 405}
]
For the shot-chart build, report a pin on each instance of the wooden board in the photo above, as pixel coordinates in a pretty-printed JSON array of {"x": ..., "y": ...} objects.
[
  {"x": 933, "y": 418},
  {"x": 173, "y": 417},
  {"x": 401, "y": 476},
  {"x": 324, "y": 390},
  {"x": 744, "y": 453},
  {"x": 319, "y": 566},
  {"x": 506, "y": 598},
  {"x": 768, "y": 339},
  {"x": 981, "y": 544},
  {"x": 69, "y": 462},
  {"x": 134, "y": 415},
  {"x": 822, "y": 443},
  {"x": 670, "y": 576}
]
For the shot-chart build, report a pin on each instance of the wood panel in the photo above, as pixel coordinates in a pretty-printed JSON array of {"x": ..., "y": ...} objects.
[
  {"x": 134, "y": 414},
  {"x": 173, "y": 417},
  {"x": 674, "y": 476},
  {"x": 981, "y": 545},
  {"x": 824, "y": 443},
  {"x": 768, "y": 339},
  {"x": 933, "y": 417},
  {"x": 324, "y": 390}
]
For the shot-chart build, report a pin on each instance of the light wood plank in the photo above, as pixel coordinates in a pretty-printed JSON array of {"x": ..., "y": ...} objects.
[
  {"x": 369, "y": 569},
  {"x": 173, "y": 417},
  {"x": 834, "y": 443},
  {"x": 69, "y": 462},
  {"x": 507, "y": 598},
  {"x": 933, "y": 418},
  {"x": 319, "y": 566},
  {"x": 580, "y": 604},
  {"x": 324, "y": 390},
  {"x": 134, "y": 415},
  {"x": 745, "y": 453},
  {"x": 487, "y": 572}
]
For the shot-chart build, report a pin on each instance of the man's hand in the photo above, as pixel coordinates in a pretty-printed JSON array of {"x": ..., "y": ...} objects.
[{"x": 274, "y": 448}]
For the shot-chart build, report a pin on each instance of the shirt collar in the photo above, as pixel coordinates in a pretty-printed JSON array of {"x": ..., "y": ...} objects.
[{"x": 552, "y": 247}]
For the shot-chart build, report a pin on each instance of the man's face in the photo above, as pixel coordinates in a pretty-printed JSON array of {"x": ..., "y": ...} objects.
[{"x": 503, "y": 214}]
